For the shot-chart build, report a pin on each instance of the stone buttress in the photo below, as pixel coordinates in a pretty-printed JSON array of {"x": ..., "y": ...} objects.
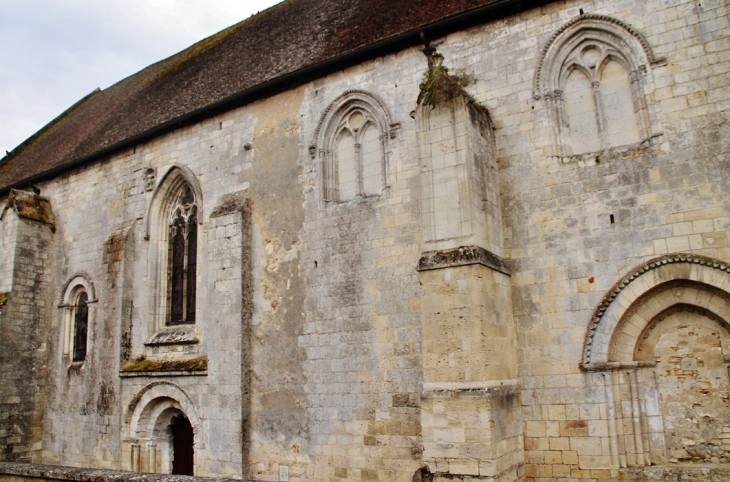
[
  {"x": 26, "y": 236},
  {"x": 470, "y": 399}
]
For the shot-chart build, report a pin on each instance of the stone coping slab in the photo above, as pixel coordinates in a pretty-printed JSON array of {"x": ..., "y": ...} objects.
[{"x": 57, "y": 472}]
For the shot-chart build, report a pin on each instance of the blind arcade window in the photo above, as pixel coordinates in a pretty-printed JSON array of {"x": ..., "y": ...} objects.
[{"x": 592, "y": 76}]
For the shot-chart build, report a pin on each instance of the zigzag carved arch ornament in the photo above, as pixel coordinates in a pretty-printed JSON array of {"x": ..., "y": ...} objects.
[{"x": 708, "y": 274}]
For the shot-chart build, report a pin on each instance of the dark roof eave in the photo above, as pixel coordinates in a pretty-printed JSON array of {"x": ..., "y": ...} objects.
[{"x": 398, "y": 42}]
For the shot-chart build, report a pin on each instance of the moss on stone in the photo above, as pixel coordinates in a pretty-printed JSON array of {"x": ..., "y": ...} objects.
[
  {"x": 32, "y": 206},
  {"x": 142, "y": 364}
]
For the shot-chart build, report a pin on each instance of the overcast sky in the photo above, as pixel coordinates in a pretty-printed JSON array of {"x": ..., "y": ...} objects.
[{"x": 54, "y": 52}]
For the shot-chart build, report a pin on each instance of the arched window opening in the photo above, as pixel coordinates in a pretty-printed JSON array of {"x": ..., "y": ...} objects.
[
  {"x": 183, "y": 452},
  {"x": 78, "y": 298},
  {"x": 591, "y": 76},
  {"x": 81, "y": 327},
  {"x": 352, "y": 141},
  {"x": 347, "y": 167},
  {"x": 581, "y": 113},
  {"x": 599, "y": 108},
  {"x": 358, "y": 159},
  {"x": 182, "y": 259},
  {"x": 619, "y": 110}
]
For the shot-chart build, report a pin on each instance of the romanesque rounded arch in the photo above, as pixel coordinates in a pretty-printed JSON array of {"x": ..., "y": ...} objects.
[
  {"x": 653, "y": 287},
  {"x": 153, "y": 408},
  {"x": 78, "y": 281}
]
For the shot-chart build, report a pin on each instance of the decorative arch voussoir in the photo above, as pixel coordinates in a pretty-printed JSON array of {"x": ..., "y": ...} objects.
[{"x": 596, "y": 336}]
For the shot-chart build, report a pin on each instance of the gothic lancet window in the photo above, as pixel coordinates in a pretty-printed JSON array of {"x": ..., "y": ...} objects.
[
  {"x": 182, "y": 262},
  {"x": 591, "y": 76},
  {"x": 81, "y": 327}
]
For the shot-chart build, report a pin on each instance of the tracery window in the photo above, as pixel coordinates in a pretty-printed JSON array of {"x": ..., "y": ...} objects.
[
  {"x": 591, "y": 76},
  {"x": 352, "y": 140},
  {"x": 182, "y": 259}
]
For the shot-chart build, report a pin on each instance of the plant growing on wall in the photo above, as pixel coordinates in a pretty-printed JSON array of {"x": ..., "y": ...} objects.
[{"x": 440, "y": 84}]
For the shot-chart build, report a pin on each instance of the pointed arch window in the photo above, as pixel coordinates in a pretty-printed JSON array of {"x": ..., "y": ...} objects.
[
  {"x": 182, "y": 259},
  {"x": 352, "y": 140},
  {"x": 591, "y": 76}
]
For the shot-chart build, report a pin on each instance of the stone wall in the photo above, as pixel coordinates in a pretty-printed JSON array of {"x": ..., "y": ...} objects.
[
  {"x": 440, "y": 322},
  {"x": 27, "y": 234}
]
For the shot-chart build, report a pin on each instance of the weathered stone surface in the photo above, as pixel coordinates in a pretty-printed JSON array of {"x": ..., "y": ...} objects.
[
  {"x": 15, "y": 472},
  {"x": 508, "y": 286}
]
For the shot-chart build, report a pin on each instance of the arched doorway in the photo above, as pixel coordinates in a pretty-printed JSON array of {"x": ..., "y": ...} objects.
[
  {"x": 692, "y": 381},
  {"x": 182, "y": 445},
  {"x": 660, "y": 339},
  {"x": 165, "y": 431}
]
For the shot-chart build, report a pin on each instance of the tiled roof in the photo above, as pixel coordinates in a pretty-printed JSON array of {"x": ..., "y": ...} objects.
[{"x": 276, "y": 43}]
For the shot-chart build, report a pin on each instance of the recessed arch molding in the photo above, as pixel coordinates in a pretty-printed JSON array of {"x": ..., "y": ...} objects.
[{"x": 711, "y": 274}]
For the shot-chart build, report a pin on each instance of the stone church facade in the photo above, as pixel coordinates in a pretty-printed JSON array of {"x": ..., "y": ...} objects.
[{"x": 383, "y": 241}]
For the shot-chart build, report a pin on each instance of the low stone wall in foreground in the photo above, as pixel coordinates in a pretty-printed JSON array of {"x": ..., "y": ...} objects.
[{"x": 18, "y": 472}]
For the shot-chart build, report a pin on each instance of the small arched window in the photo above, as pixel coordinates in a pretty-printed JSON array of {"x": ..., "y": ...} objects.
[
  {"x": 78, "y": 297},
  {"x": 81, "y": 327},
  {"x": 182, "y": 258}
]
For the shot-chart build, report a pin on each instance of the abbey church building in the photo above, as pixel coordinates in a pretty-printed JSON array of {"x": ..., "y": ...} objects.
[{"x": 382, "y": 240}]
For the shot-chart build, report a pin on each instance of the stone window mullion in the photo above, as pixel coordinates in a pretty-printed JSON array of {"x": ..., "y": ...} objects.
[
  {"x": 360, "y": 170},
  {"x": 640, "y": 107},
  {"x": 557, "y": 105},
  {"x": 600, "y": 113}
]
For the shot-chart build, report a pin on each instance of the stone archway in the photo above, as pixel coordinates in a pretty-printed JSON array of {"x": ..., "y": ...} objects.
[
  {"x": 661, "y": 338},
  {"x": 689, "y": 346},
  {"x": 164, "y": 431}
]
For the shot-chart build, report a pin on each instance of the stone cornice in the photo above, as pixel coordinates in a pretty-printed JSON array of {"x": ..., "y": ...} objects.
[{"x": 461, "y": 256}]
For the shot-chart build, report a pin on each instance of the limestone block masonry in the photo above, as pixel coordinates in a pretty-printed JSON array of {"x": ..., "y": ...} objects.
[{"x": 528, "y": 280}]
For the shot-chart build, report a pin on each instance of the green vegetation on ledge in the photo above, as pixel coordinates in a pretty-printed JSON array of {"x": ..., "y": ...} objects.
[
  {"x": 439, "y": 84},
  {"x": 142, "y": 364}
]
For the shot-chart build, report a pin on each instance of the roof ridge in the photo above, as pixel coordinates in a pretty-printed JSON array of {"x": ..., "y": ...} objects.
[{"x": 55, "y": 122}]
